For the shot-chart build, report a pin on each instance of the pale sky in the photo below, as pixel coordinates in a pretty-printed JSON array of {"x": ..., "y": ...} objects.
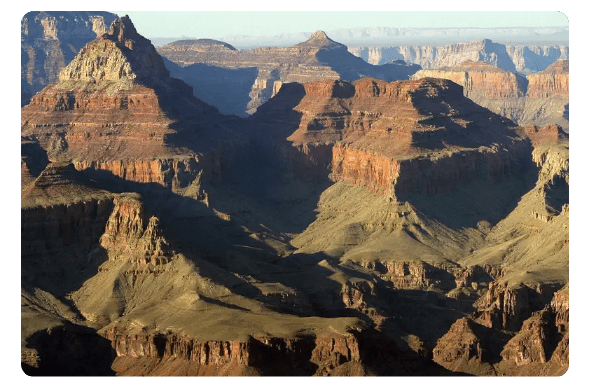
[{"x": 216, "y": 24}]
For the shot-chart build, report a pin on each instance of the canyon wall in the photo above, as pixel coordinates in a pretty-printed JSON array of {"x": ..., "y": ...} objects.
[
  {"x": 313, "y": 355},
  {"x": 50, "y": 40},
  {"x": 539, "y": 99},
  {"x": 318, "y": 58},
  {"x": 520, "y": 58}
]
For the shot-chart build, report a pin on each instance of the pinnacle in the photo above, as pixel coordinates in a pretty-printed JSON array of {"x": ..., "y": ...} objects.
[
  {"x": 122, "y": 28},
  {"x": 319, "y": 35},
  {"x": 320, "y": 39}
]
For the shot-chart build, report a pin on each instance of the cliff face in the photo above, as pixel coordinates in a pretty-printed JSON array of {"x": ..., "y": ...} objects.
[
  {"x": 130, "y": 234},
  {"x": 523, "y": 59},
  {"x": 536, "y": 344},
  {"x": 317, "y": 355},
  {"x": 318, "y": 58},
  {"x": 480, "y": 78},
  {"x": 400, "y": 178},
  {"x": 61, "y": 240},
  {"x": 554, "y": 80},
  {"x": 390, "y": 135},
  {"x": 50, "y": 40},
  {"x": 539, "y": 99},
  {"x": 116, "y": 108}
]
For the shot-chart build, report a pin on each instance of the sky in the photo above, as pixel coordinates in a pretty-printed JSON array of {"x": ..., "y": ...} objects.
[{"x": 217, "y": 24}]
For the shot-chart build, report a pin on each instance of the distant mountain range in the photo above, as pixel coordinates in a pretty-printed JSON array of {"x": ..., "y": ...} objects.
[{"x": 387, "y": 36}]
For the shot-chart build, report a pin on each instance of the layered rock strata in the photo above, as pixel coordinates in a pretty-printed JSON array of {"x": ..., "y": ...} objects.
[
  {"x": 386, "y": 135},
  {"x": 50, "y": 40},
  {"x": 537, "y": 344},
  {"x": 318, "y": 58},
  {"x": 115, "y": 108},
  {"x": 523, "y": 59},
  {"x": 538, "y": 99},
  {"x": 316, "y": 355}
]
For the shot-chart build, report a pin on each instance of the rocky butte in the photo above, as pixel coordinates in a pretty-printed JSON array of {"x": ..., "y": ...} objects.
[
  {"x": 539, "y": 99},
  {"x": 318, "y": 58},
  {"x": 116, "y": 108},
  {"x": 364, "y": 227}
]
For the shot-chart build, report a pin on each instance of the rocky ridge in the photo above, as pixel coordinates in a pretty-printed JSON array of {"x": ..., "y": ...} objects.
[
  {"x": 317, "y": 58},
  {"x": 514, "y": 58}
]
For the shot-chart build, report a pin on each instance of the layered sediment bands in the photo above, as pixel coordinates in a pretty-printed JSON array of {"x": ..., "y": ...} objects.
[
  {"x": 422, "y": 175},
  {"x": 524, "y": 59},
  {"x": 311, "y": 355},
  {"x": 532, "y": 343},
  {"x": 539, "y": 99},
  {"x": 480, "y": 78},
  {"x": 554, "y": 80},
  {"x": 116, "y": 101},
  {"x": 174, "y": 173},
  {"x": 318, "y": 58},
  {"x": 50, "y": 40}
]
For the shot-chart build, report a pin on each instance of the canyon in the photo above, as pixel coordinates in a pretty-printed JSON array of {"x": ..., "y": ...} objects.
[
  {"x": 524, "y": 59},
  {"x": 345, "y": 227},
  {"x": 317, "y": 58}
]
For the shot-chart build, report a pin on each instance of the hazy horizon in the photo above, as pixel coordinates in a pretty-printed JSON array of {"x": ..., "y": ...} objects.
[{"x": 220, "y": 24}]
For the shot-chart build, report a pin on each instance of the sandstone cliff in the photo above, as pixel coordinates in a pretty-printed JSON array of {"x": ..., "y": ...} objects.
[
  {"x": 539, "y": 99},
  {"x": 115, "y": 108}
]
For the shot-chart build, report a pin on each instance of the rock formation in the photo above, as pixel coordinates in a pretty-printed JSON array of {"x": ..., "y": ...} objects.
[
  {"x": 116, "y": 108},
  {"x": 345, "y": 228},
  {"x": 539, "y": 99},
  {"x": 50, "y": 40},
  {"x": 315, "y": 59},
  {"x": 521, "y": 58}
]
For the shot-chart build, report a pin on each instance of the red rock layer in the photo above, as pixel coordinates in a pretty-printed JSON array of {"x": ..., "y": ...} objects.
[
  {"x": 480, "y": 78},
  {"x": 390, "y": 175},
  {"x": 270, "y": 356},
  {"x": 554, "y": 80},
  {"x": 551, "y": 134}
]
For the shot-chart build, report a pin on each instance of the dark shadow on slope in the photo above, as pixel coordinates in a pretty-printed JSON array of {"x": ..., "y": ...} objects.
[
  {"x": 351, "y": 67},
  {"x": 472, "y": 202},
  {"x": 227, "y": 89},
  {"x": 557, "y": 194},
  {"x": 537, "y": 62},
  {"x": 71, "y": 350},
  {"x": 275, "y": 358},
  {"x": 196, "y": 230}
]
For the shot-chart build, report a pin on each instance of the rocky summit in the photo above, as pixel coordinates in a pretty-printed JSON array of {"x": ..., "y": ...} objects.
[{"x": 347, "y": 227}]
